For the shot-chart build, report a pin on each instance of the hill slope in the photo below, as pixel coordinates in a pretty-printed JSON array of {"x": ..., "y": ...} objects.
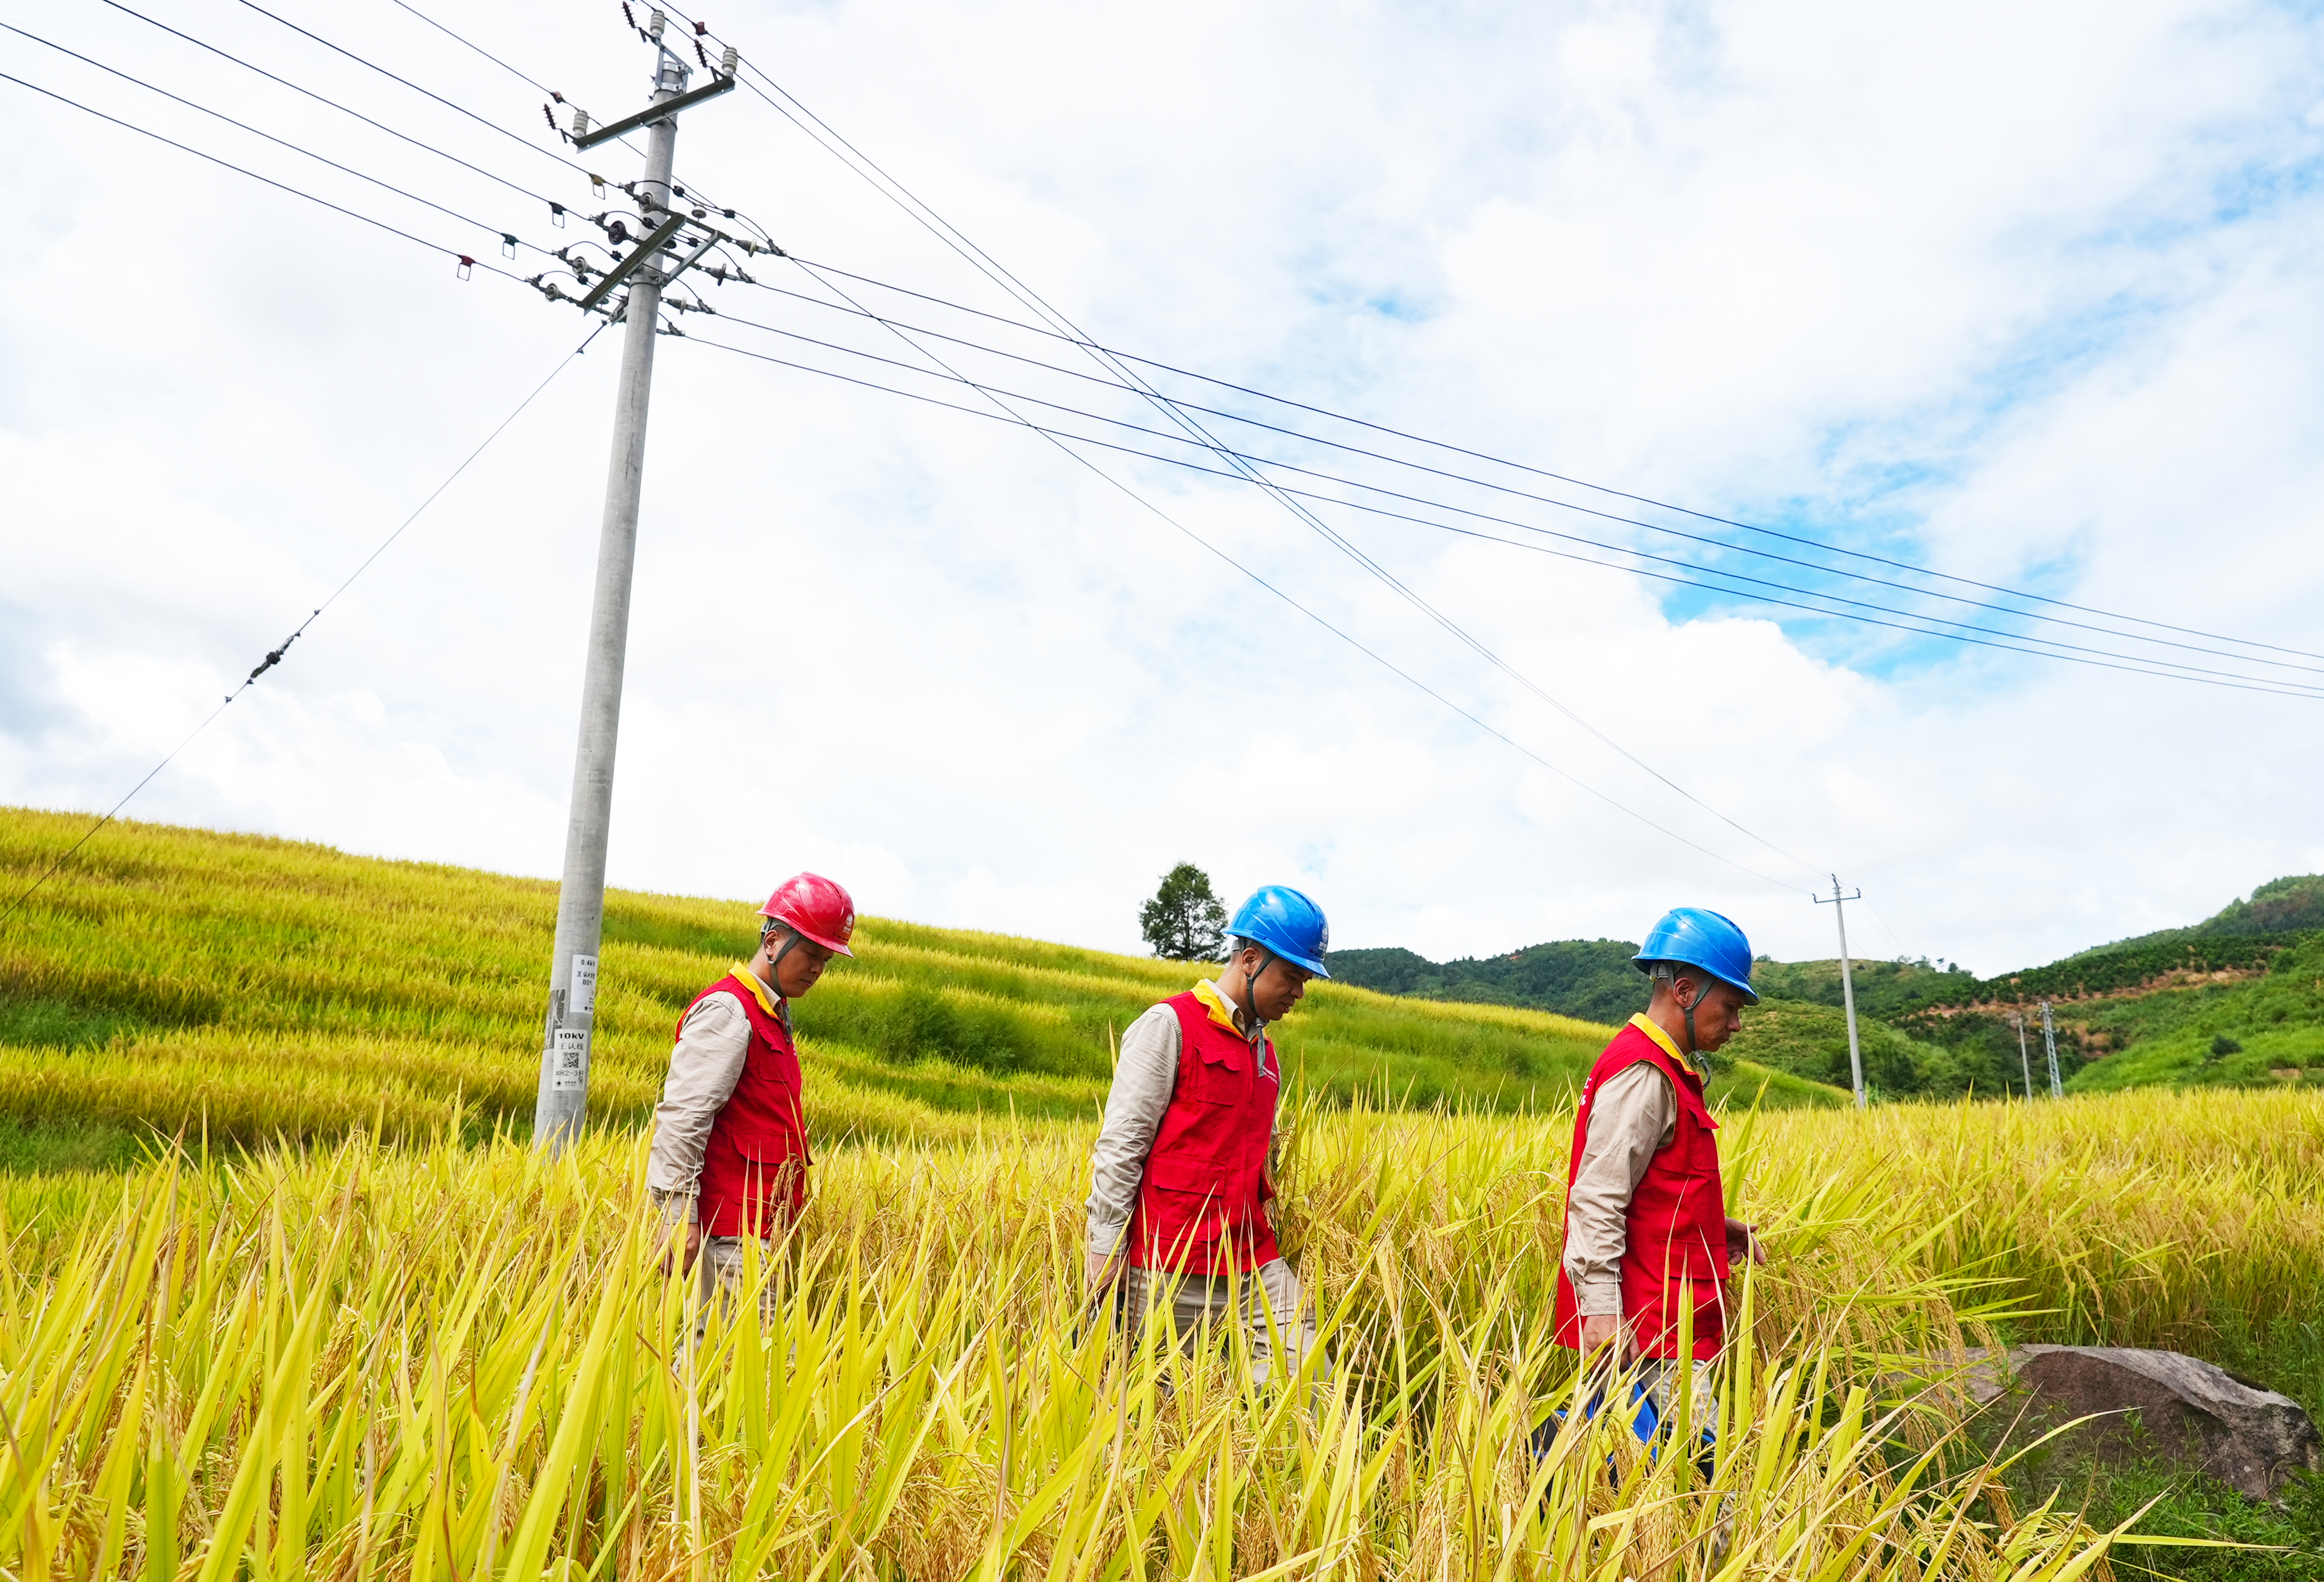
[
  {"x": 174, "y": 976},
  {"x": 2231, "y": 1000},
  {"x": 1591, "y": 979}
]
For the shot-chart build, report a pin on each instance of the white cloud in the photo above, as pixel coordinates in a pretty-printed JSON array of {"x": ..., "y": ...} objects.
[{"x": 2026, "y": 295}]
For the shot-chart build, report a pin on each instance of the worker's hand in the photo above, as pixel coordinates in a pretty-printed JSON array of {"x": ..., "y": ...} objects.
[
  {"x": 1103, "y": 1269},
  {"x": 679, "y": 1257},
  {"x": 1601, "y": 1330},
  {"x": 1743, "y": 1241}
]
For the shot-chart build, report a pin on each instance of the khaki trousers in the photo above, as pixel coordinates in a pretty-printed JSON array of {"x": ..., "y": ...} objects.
[
  {"x": 1269, "y": 1295},
  {"x": 1660, "y": 1376},
  {"x": 726, "y": 1265}
]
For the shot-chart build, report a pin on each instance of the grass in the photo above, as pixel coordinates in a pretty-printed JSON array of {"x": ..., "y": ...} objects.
[
  {"x": 265, "y": 989},
  {"x": 380, "y": 1336},
  {"x": 358, "y": 1361},
  {"x": 2237, "y": 1033}
]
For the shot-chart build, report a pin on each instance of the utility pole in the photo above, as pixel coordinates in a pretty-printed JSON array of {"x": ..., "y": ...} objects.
[
  {"x": 2050, "y": 1043},
  {"x": 1846, "y": 983},
  {"x": 564, "y": 1093},
  {"x": 2024, "y": 1059}
]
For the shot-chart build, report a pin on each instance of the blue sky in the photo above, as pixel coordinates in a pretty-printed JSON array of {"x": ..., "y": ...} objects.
[{"x": 2030, "y": 298}]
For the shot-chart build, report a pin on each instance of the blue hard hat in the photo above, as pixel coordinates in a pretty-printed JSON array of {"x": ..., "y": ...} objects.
[
  {"x": 1280, "y": 919},
  {"x": 1699, "y": 937}
]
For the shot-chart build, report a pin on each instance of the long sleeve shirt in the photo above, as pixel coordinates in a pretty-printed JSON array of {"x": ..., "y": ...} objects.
[
  {"x": 1633, "y": 1116},
  {"x": 704, "y": 1068},
  {"x": 1145, "y": 1075}
]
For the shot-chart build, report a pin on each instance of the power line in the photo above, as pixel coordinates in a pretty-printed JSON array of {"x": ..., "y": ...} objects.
[
  {"x": 281, "y": 186},
  {"x": 1746, "y": 526},
  {"x": 282, "y": 142},
  {"x": 274, "y": 656},
  {"x": 1550, "y": 500},
  {"x": 2140, "y": 665},
  {"x": 479, "y": 48},
  {"x": 1345, "y": 636},
  {"x": 1370, "y": 565},
  {"x": 833, "y": 142},
  {"x": 2280, "y": 690},
  {"x": 334, "y": 104},
  {"x": 459, "y": 108},
  {"x": 1288, "y": 499},
  {"x": 960, "y": 243}
]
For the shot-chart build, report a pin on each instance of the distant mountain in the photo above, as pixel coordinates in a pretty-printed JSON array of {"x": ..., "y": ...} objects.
[
  {"x": 2291, "y": 904},
  {"x": 1591, "y": 979},
  {"x": 2239, "y": 978},
  {"x": 2275, "y": 907}
]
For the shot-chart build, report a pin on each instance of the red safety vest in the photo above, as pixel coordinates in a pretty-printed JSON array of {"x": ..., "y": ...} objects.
[
  {"x": 1206, "y": 1174},
  {"x": 1676, "y": 1228},
  {"x": 755, "y": 1164}
]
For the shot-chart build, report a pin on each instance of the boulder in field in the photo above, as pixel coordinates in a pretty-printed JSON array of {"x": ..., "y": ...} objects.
[{"x": 2195, "y": 1412}]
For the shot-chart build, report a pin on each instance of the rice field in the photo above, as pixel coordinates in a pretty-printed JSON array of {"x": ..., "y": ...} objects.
[
  {"x": 339, "y": 1319},
  {"x": 461, "y": 1361}
]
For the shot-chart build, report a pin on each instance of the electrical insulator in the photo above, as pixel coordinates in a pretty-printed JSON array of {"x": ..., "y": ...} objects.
[
  {"x": 580, "y": 122},
  {"x": 655, "y": 22},
  {"x": 728, "y": 61}
]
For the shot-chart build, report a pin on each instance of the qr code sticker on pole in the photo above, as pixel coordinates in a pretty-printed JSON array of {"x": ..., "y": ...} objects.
[{"x": 569, "y": 1066}]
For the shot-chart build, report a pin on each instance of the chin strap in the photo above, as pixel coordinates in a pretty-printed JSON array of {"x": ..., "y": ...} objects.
[
  {"x": 1258, "y": 1033},
  {"x": 775, "y": 962}
]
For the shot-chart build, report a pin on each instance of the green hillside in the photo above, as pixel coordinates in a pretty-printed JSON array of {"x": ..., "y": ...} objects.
[
  {"x": 257, "y": 987},
  {"x": 2229, "y": 1001},
  {"x": 1590, "y": 979}
]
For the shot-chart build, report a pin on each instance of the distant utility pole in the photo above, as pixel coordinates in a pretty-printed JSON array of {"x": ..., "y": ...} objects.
[
  {"x": 1846, "y": 983},
  {"x": 2050, "y": 1043},
  {"x": 2024, "y": 1059},
  {"x": 564, "y": 1094}
]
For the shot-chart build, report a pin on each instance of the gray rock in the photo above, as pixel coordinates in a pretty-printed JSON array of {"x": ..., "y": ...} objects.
[{"x": 2249, "y": 1438}]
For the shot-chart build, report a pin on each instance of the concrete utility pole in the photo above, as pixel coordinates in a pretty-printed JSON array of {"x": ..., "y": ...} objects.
[
  {"x": 2050, "y": 1043},
  {"x": 564, "y": 1093},
  {"x": 1846, "y": 983},
  {"x": 2024, "y": 1059}
]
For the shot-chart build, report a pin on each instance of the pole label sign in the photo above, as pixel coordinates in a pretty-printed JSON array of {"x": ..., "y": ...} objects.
[
  {"x": 582, "y": 1001},
  {"x": 568, "y": 1060}
]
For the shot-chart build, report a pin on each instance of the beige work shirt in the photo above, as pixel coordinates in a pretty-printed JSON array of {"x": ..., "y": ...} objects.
[
  {"x": 1633, "y": 1116},
  {"x": 1145, "y": 1075},
  {"x": 704, "y": 1068}
]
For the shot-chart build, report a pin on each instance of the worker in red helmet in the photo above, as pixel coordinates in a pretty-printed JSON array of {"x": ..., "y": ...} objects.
[{"x": 730, "y": 1155}]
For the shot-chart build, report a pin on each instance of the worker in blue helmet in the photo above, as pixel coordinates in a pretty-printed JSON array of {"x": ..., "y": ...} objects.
[
  {"x": 1649, "y": 1243},
  {"x": 1182, "y": 1173}
]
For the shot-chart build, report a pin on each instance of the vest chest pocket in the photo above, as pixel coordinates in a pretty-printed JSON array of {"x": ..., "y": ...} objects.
[{"x": 1218, "y": 1076}]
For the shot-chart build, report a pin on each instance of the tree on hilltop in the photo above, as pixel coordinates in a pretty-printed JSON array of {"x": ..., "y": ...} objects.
[{"x": 1185, "y": 922}]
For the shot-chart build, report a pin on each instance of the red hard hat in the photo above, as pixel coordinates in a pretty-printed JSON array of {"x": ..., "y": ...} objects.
[{"x": 815, "y": 908}]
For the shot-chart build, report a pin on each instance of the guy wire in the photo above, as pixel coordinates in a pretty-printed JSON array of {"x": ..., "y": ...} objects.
[{"x": 275, "y": 656}]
